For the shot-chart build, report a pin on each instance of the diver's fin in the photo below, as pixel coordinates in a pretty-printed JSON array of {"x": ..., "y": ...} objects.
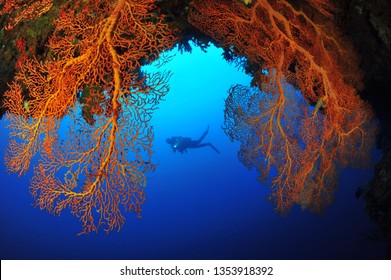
[
  {"x": 214, "y": 148},
  {"x": 203, "y": 135}
]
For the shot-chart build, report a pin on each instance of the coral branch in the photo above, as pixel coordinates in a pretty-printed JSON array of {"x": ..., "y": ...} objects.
[
  {"x": 96, "y": 50},
  {"x": 277, "y": 129},
  {"x": 20, "y": 10}
]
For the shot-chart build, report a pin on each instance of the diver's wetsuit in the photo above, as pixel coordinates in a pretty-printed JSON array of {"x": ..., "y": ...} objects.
[{"x": 181, "y": 144}]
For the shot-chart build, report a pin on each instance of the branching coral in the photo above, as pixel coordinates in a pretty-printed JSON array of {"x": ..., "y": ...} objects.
[
  {"x": 20, "y": 10},
  {"x": 306, "y": 147},
  {"x": 97, "y": 48}
]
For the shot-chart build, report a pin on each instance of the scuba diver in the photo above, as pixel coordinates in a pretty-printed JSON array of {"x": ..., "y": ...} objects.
[{"x": 181, "y": 144}]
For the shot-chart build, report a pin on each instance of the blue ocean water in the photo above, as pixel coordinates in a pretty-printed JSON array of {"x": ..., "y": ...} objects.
[{"x": 200, "y": 205}]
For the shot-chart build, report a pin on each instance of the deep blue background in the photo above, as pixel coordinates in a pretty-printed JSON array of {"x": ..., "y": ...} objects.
[{"x": 200, "y": 205}]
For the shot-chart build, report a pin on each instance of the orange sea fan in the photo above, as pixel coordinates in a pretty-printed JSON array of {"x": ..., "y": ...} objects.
[{"x": 306, "y": 146}]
